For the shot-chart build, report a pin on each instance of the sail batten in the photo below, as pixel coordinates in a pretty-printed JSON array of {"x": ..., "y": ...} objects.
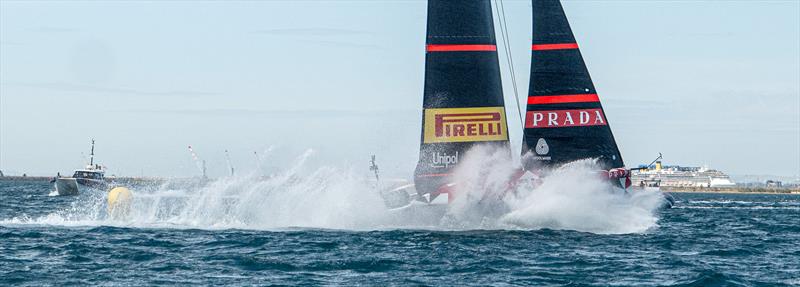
[{"x": 564, "y": 119}]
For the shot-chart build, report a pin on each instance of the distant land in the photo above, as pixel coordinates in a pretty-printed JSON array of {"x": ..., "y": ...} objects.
[
  {"x": 739, "y": 178},
  {"x": 749, "y": 187}
]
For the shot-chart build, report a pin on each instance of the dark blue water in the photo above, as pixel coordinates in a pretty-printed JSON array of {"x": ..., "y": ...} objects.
[{"x": 707, "y": 240}]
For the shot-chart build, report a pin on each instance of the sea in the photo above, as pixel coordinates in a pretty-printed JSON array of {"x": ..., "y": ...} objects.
[{"x": 328, "y": 228}]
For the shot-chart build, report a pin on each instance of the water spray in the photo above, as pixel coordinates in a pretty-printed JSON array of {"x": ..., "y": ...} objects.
[
  {"x": 201, "y": 164},
  {"x": 228, "y": 159},
  {"x": 374, "y": 167}
]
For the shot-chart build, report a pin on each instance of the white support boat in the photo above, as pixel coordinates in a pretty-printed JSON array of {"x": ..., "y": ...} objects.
[{"x": 93, "y": 176}]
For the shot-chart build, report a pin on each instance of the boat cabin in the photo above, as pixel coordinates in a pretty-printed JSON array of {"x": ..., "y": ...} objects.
[{"x": 91, "y": 172}]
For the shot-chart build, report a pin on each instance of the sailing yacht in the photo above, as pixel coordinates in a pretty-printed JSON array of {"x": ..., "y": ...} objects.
[
  {"x": 564, "y": 119},
  {"x": 463, "y": 96},
  {"x": 463, "y": 103}
]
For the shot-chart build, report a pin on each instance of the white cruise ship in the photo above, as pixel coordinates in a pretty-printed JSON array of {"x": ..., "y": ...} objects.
[{"x": 681, "y": 176}]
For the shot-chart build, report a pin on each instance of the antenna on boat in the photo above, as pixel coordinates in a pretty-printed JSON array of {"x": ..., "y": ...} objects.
[
  {"x": 91, "y": 155},
  {"x": 374, "y": 167}
]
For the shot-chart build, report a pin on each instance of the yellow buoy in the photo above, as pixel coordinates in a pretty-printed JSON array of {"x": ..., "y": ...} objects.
[{"x": 119, "y": 202}]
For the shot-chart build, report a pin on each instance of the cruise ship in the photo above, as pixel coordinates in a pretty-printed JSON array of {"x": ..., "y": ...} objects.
[{"x": 679, "y": 176}]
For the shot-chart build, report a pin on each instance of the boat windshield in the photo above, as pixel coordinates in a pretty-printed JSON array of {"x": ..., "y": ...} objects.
[{"x": 87, "y": 174}]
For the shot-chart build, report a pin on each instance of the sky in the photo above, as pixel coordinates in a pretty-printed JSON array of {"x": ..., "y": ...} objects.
[{"x": 712, "y": 83}]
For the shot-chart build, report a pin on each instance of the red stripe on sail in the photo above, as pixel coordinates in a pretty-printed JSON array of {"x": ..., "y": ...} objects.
[
  {"x": 561, "y": 46},
  {"x": 580, "y": 98},
  {"x": 459, "y": 48}
]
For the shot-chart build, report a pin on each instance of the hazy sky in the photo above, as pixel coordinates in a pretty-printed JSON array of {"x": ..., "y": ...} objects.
[{"x": 704, "y": 82}]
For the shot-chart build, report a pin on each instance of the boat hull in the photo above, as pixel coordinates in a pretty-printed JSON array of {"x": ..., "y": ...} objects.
[
  {"x": 92, "y": 183},
  {"x": 72, "y": 186},
  {"x": 645, "y": 188},
  {"x": 66, "y": 186}
]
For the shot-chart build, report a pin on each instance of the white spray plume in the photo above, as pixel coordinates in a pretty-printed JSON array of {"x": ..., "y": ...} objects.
[
  {"x": 482, "y": 179},
  {"x": 575, "y": 197},
  {"x": 571, "y": 197}
]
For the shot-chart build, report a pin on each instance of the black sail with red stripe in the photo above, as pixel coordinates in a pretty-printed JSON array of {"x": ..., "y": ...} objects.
[
  {"x": 564, "y": 120},
  {"x": 463, "y": 98}
]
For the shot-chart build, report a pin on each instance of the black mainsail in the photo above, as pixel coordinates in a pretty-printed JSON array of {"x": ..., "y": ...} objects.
[
  {"x": 463, "y": 98},
  {"x": 564, "y": 120}
]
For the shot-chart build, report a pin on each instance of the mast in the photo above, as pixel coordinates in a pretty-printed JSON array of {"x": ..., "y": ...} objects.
[
  {"x": 228, "y": 159},
  {"x": 373, "y": 166},
  {"x": 201, "y": 164},
  {"x": 463, "y": 97},
  {"x": 564, "y": 120},
  {"x": 91, "y": 155},
  {"x": 258, "y": 162}
]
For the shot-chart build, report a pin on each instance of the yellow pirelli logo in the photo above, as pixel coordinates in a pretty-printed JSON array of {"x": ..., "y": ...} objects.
[{"x": 465, "y": 125}]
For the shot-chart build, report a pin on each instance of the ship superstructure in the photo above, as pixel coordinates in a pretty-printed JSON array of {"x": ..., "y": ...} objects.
[{"x": 681, "y": 176}]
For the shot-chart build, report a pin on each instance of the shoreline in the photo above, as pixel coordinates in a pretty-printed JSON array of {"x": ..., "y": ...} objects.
[
  {"x": 731, "y": 190},
  {"x": 721, "y": 190}
]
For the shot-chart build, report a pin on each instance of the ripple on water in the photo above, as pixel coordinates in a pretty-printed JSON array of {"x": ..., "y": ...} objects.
[{"x": 708, "y": 240}]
